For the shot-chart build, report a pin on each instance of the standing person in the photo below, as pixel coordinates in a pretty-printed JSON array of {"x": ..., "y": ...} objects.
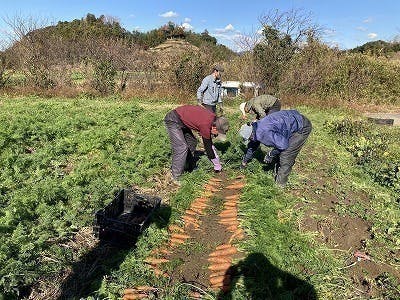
[
  {"x": 286, "y": 131},
  {"x": 180, "y": 122},
  {"x": 209, "y": 94},
  {"x": 260, "y": 106}
]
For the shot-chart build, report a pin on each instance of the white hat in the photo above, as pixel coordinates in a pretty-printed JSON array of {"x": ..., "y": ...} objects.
[{"x": 241, "y": 107}]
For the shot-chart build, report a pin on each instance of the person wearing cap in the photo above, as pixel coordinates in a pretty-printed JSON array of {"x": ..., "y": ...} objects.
[
  {"x": 286, "y": 131},
  {"x": 260, "y": 106},
  {"x": 209, "y": 94},
  {"x": 180, "y": 122}
]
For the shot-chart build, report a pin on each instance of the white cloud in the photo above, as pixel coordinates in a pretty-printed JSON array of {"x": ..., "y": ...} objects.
[
  {"x": 227, "y": 28},
  {"x": 187, "y": 20},
  {"x": 372, "y": 35},
  {"x": 187, "y": 26},
  {"x": 137, "y": 28},
  {"x": 169, "y": 14},
  {"x": 132, "y": 16},
  {"x": 361, "y": 28},
  {"x": 368, "y": 20}
]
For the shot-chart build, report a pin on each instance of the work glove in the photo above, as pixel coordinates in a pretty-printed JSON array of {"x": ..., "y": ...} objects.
[
  {"x": 217, "y": 164},
  {"x": 268, "y": 159}
]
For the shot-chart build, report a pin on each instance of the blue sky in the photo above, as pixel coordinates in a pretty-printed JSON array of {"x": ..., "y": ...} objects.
[{"x": 348, "y": 23}]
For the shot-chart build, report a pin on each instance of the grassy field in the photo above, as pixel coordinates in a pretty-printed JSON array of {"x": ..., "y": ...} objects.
[{"x": 62, "y": 159}]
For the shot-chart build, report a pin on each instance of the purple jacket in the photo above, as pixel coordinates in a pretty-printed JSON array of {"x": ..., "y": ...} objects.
[{"x": 274, "y": 130}]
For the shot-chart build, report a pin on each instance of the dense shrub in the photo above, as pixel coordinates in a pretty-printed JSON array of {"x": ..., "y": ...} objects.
[
  {"x": 376, "y": 151},
  {"x": 323, "y": 72}
]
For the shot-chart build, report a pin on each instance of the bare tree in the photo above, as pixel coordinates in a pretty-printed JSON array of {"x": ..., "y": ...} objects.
[{"x": 283, "y": 34}]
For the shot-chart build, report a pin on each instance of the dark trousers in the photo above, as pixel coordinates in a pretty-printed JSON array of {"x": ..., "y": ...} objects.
[
  {"x": 183, "y": 143},
  {"x": 275, "y": 107},
  {"x": 287, "y": 157},
  {"x": 212, "y": 108}
]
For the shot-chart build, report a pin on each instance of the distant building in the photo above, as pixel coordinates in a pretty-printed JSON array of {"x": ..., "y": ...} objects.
[{"x": 235, "y": 88}]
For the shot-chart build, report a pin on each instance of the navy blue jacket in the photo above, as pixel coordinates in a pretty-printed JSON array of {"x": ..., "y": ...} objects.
[{"x": 274, "y": 130}]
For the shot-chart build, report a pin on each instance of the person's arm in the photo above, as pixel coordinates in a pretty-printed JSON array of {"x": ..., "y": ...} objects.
[
  {"x": 251, "y": 148},
  {"x": 208, "y": 147},
  {"x": 201, "y": 90}
]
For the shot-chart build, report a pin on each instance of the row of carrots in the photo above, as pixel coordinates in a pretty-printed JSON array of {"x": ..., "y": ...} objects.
[{"x": 221, "y": 259}]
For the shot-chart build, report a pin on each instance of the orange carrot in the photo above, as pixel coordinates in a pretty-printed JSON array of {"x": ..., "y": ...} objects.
[
  {"x": 129, "y": 291},
  {"x": 155, "y": 261},
  {"x": 175, "y": 228},
  {"x": 175, "y": 241},
  {"x": 134, "y": 296},
  {"x": 233, "y": 227},
  {"x": 179, "y": 236},
  {"x": 165, "y": 251},
  {"x": 219, "y": 267},
  {"x": 235, "y": 185},
  {"x": 228, "y": 210},
  {"x": 233, "y": 197},
  {"x": 224, "y": 252},
  {"x": 223, "y": 246},
  {"x": 220, "y": 279},
  {"x": 229, "y": 214},
  {"x": 190, "y": 212},
  {"x": 189, "y": 218}
]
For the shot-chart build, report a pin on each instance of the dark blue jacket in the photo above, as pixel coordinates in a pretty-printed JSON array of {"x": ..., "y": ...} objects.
[{"x": 274, "y": 130}]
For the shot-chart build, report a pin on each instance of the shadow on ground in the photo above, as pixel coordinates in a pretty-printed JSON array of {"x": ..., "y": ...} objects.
[
  {"x": 264, "y": 281},
  {"x": 87, "y": 274}
]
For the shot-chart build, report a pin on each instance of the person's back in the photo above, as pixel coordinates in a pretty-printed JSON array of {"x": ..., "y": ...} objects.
[{"x": 261, "y": 106}]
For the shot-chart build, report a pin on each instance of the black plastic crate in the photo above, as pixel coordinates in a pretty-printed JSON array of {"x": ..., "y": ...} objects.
[{"x": 122, "y": 220}]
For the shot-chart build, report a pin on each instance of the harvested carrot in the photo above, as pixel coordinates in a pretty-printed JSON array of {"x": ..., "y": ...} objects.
[
  {"x": 189, "y": 218},
  {"x": 180, "y": 236},
  {"x": 198, "y": 211},
  {"x": 190, "y": 212},
  {"x": 220, "y": 279},
  {"x": 155, "y": 261},
  {"x": 216, "y": 179},
  {"x": 224, "y": 252},
  {"x": 227, "y": 220},
  {"x": 230, "y": 214},
  {"x": 129, "y": 291},
  {"x": 233, "y": 227},
  {"x": 219, "y": 267},
  {"x": 228, "y": 210},
  {"x": 233, "y": 197},
  {"x": 165, "y": 251},
  {"x": 223, "y": 246},
  {"x": 134, "y": 296},
  {"x": 175, "y": 228},
  {"x": 174, "y": 241},
  {"x": 230, "y": 205}
]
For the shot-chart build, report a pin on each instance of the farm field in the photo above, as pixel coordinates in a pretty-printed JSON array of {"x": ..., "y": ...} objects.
[{"x": 333, "y": 233}]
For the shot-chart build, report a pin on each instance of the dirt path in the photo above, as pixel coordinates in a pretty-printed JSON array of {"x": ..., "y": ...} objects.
[{"x": 201, "y": 247}]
